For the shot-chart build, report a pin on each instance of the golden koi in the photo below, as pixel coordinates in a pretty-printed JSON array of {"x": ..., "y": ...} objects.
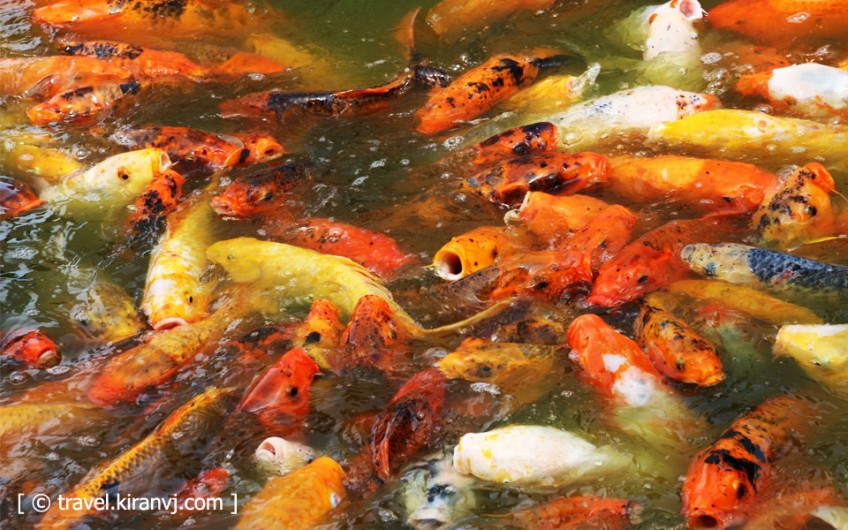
[
  {"x": 821, "y": 350},
  {"x": 473, "y": 251}
]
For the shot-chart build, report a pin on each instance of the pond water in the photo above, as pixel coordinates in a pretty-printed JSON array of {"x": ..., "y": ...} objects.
[{"x": 373, "y": 171}]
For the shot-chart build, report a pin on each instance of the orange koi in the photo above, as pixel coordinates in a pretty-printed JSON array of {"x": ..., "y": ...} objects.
[
  {"x": 137, "y": 61},
  {"x": 798, "y": 210},
  {"x": 320, "y": 333},
  {"x": 32, "y": 349},
  {"x": 705, "y": 184},
  {"x": 49, "y": 76},
  {"x": 569, "y": 513},
  {"x": 407, "y": 422},
  {"x": 208, "y": 484},
  {"x": 508, "y": 182},
  {"x": 260, "y": 147},
  {"x": 297, "y": 501},
  {"x": 726, "y": 478},
  {"x": 245, "y": 63},
  {"x": 604, "y": 237},
  {"x": 611, "y": 362},
  {"x": 474, "y": 250},
  {"x": 653, "y": 260},
  {"x": 779, "y": 22},
  {"x": 185, "y": 144},
  {"x": 84, "y": 104},
  {"x": 264, "y": 340},
  {"x": 152, "y": 206},
  {"x": 258, "y": 192},
  {"x": 519, "y": 141},
  {"x": 793, "y": 510},
  {"x": 16, "y": 198},
  {"x": 283, "y": 105},
  {"x": 377, "y": 252},
  {"x": 451, "y": 16},
  {"x": 550, "y": 217},
  {"x": 280, "y": 396},
  {"x": 674, "y": 348},
  {"x": 481, "y": 88},
  {"x": 372, "y": 338}
]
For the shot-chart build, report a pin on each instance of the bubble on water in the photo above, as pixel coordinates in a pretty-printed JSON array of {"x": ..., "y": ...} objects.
[
  {"x": 489, "y": 388},
  {"x": 59, "y": 369},
  {"x": 378, "y": 163},
  {"x": 453, "y": 142},
  {"x": 88, "y": 441},
  {"x": 18, "y": 378},
  {"x": 52, "y": 456},
  {"x": 798, "y": 18},
  {"x": 711, "y": 58},
  {"x": 22, "y": 253},
  {"x": 359, "y": 181},
  {"x": 387, "y": 516},
  {"x": 404, "y": 161}
]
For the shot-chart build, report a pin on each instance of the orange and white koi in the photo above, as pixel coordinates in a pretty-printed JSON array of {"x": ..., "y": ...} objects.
[
  {"x": 725, "y": 479},
  {"x": 175, "y": 292},
  {"x": 481, "y": 88},
  {"x": 808, "y": 89},
  {"x": 508, "y": 182},
  {"x": 297, "y": 501},
  {"x": 473, "y": 251},
  {"x": 706, "y": 184}
]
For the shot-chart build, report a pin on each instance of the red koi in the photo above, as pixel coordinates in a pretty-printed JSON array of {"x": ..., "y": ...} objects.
[
  {"x": 258, "y": 192},
  {"x": 208, "y": 484},
  {"x": 16, "y": 198},
  {"x": 483, "y": 87},
  {"x": 508, "y": 182},
  {"x": 372, "y": 338},
  {"x": 32, "y": 349}
]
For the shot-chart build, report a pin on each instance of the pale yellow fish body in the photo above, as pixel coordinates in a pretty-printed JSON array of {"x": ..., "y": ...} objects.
[
  {"x": 297, "y": 501},
  {"x": 113, "y": 183},
  {"x": 280, "y": 50},
  {"x": 821, "y": 350},
  {"x": 175, "y": 292},
  {"x": 34, "y": 154},
  {"x": 553, "y": 93},
  {"x": 739, "y": 132},
  {"x": 45, "y": 418},
  {"x": 106, "y": 312},
  {"x": 132, "y": 463},
  {"x": 751, "y": 301},
  {"x": 534, "y": 455},
  {"x": 290, "y": 275}
]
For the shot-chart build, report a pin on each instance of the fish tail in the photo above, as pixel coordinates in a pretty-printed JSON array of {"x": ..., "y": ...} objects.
[{"x": 485, "y": 314}]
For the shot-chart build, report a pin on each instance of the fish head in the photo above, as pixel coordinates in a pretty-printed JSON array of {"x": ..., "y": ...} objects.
[
  {"x": 259, "y": 147},
  {"x": 373, "y": 333},
  {"x": 31, "y": 348},
  {"x": 278, "y": 456},
  {"x": 283, "y": 390},
  {"x": 244, "y": 198}
]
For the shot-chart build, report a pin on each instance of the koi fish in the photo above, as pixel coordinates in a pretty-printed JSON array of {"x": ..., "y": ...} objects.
[
  {"x": 245, "y": 63},
  {"x": 132, "y": 464},
  {"x": 526, "y": 140},
  {"x": 296, "y": 501},
  {"x": 798, "y": 210},
  {"x": 473, "y": 251},
  {"x": 208, "y": 484},
  {"x": 374, "y": 337},
  {"x": 780, "y": 22},
  {"x": 772, "y": 271},
  {"x": 258, "y": 192},
  {"x": 139, "y": 62},
  {"x": 808, "y": 89},
  {"x": 452, "y": 16},
  {"x": 106, "y": 312},
  {"x": 435, "y": 495},
  {"x": 84, "y": 104},
  {"x": 276, "y": 456},
  {"x": 280, "y": 395},
  {"x": 320, "y": 333},
  {"x": 378, "y": 253},
  {"x": 483, "y": 87},
  {"x": 628, "y": 112},
  {"x": 152, "y": 206},
  {"x": 568, "y": 513},
  {"x": 725, "y": 479},
  {"x": 302, "y": 275},
  {"x": 556, "y": 92},
  {"x": 401, "y": 429},
  {"x": 185, "y": 144},
  {"x": 282, "y": 105},
  {"x": 16, "y": 198},
  {"x": 131, "y": 372},
  {"x": 751, "y": 301},
  {"x": 36, "y": 155},
  {"x": 32, "y": 349},
  {"x": 674, "y": 348},
  {"x": 22, "y": 420},
  {"x": 508, "y": 182},
  {"x": 705, "y": 184},
  {"x": 113, "y": 183},
  {"x": 671, "y": 29},
  {"x": 533, "y": 455},
  {"x": 175, "y": 292},
  {"x": 48, "y": 76},
  {"x": 260, "y": 147},
  {"x": 821, "y": 350},
  {"x": 795, "y": 510},
  {"x": 743, "y": 132},
  {"x": 603, "y": 237},
  {"x": 550, "y": 217}
]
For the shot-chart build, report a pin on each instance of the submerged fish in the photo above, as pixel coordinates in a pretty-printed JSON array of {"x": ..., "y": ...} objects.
[
  {"x": 106, "y": 312},
  {"x": 449, "y": 17},
  {"x": 821, "y": 350},
  {"x": 435, "y": 495},
  {"x": 139, "y": 62},
  {"x": 256, "y": 192},
  {"x": 532, "y": 455},
  {"x": 83, "y": 104},
  {"x": 297, "y": 501},
  {"x": 16, "y": 198},
  {"x": 571, "y": 513},
  {"x": 18, "y": 421},
  {"x": 518, "y": 141},
  {"x": 778, "y": 21}
]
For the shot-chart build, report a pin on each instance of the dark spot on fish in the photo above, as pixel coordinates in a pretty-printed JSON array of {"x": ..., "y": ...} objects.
[
  {"x": 750, "y": 468},
  {"x": 642, "y": 279},
  {"x": 513, "y": 67},
  {"x": 130, "y": 87},
  {"x": 312, "y": 337}
]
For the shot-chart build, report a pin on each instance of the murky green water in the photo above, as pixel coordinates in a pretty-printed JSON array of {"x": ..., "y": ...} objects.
[{"x": 366, "y": 170}]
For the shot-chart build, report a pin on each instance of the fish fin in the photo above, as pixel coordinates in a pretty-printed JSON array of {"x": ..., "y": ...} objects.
[
  {"x": 405, "y": 35},
  {"x": 485, "y": 314}
]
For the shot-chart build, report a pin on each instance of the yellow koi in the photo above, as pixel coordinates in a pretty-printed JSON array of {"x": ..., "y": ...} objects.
[
  {"x": 46, "y": 418},
  {"x": 554, "y": 93},
  {"x": 821, "y": 350},
  {"x": 106, "y": 312},
  {"x": 32, "y": 154}
]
